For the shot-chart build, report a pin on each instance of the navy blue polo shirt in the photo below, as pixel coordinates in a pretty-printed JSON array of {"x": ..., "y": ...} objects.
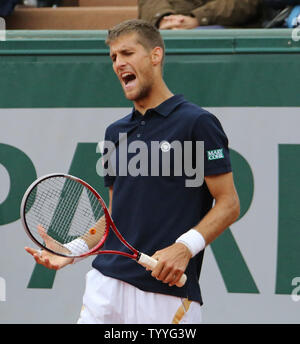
[{"x": 152, "y": 211}]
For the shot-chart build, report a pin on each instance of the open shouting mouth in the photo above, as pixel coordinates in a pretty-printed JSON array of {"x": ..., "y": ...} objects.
[{"x": 128, "y": 79}]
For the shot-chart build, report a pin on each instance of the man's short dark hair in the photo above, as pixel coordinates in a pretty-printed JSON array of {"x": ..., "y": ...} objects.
[{"x": 148, "y": 35}]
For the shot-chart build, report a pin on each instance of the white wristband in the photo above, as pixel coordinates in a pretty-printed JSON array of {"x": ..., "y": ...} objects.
[
  {"x": 193, "y": 240},
  {"x": 77, "y": 247}
]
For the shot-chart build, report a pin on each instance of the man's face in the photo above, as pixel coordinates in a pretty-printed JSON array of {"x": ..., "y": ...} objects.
[{"x": 132, "y": 64}]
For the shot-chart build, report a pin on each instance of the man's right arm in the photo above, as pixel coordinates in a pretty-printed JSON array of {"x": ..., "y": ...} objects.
[{"x": 53, "y": 261}]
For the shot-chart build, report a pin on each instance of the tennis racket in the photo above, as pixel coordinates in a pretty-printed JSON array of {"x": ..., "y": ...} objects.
[{"x": 67, "y": 217}]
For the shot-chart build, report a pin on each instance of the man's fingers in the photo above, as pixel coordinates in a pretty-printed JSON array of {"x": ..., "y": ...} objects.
[
  {"x": 48, "y": 265},
  {"x": 38, "y": 257},
  {"x": 175, "y": 278},
  {"x": 158, "y": 269},
  {"x": 166, "y": 273},
  {"x": 163, "y": 272},
  {"x": 32, "y": 251}
]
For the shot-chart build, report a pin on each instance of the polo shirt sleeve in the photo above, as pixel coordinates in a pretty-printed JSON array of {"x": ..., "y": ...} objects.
[
  {"x": 108, "y": 179},
  {"x": 216, "y": 152}
]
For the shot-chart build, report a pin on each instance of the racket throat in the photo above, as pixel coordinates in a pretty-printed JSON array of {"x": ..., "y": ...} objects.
[{"x": 138, "y": 256}]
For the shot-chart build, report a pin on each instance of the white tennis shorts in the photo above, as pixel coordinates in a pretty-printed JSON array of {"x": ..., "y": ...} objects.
[{"x": 110, "y": 301}]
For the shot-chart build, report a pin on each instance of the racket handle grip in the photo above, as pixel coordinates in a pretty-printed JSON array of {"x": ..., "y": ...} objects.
[{"x": 151, "y": 263}]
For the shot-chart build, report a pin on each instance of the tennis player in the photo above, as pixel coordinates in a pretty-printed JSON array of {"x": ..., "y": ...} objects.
[{"x": 160, "y": 215}]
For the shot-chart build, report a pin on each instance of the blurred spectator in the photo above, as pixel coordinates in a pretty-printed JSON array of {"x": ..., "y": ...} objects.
[
  {"x": 189, "y": 14},
  {"x": 7, "y": 7},
  {"x": 281, "y": 13},
  {"x": 40, "y": 3},
  {"x": 293, "y": 20}
]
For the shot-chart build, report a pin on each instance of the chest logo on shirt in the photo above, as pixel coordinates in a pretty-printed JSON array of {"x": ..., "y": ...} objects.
[
  {"x": 165, "y": 146},
  {"x": 215, "y": 154}
]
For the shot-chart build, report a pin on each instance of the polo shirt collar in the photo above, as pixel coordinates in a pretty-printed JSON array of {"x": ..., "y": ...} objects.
[{"x": 165, "y": 108}]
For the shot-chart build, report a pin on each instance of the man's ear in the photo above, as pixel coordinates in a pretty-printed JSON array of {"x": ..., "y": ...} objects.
[{"x": 157, "y": 55}]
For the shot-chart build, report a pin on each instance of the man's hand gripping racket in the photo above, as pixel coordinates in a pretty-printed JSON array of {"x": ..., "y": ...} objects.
[{"x": 66, "y": 217}]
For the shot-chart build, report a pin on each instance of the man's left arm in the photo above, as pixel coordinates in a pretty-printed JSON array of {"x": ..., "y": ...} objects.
[
  {"x": 174, "y": 259},
  {"x": 226, "y": 209}
]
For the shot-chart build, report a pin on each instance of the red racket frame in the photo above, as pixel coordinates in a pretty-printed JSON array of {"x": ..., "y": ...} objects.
[{"x": 109, "y": 221}]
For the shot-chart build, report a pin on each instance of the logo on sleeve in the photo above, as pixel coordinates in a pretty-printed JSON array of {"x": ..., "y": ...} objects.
[{"x": 215, "y": 154}]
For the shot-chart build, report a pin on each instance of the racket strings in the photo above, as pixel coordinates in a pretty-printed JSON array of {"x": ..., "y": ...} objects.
[
  {"x": 62, "y": 211},
  {"x": 67, "y": 208}
]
